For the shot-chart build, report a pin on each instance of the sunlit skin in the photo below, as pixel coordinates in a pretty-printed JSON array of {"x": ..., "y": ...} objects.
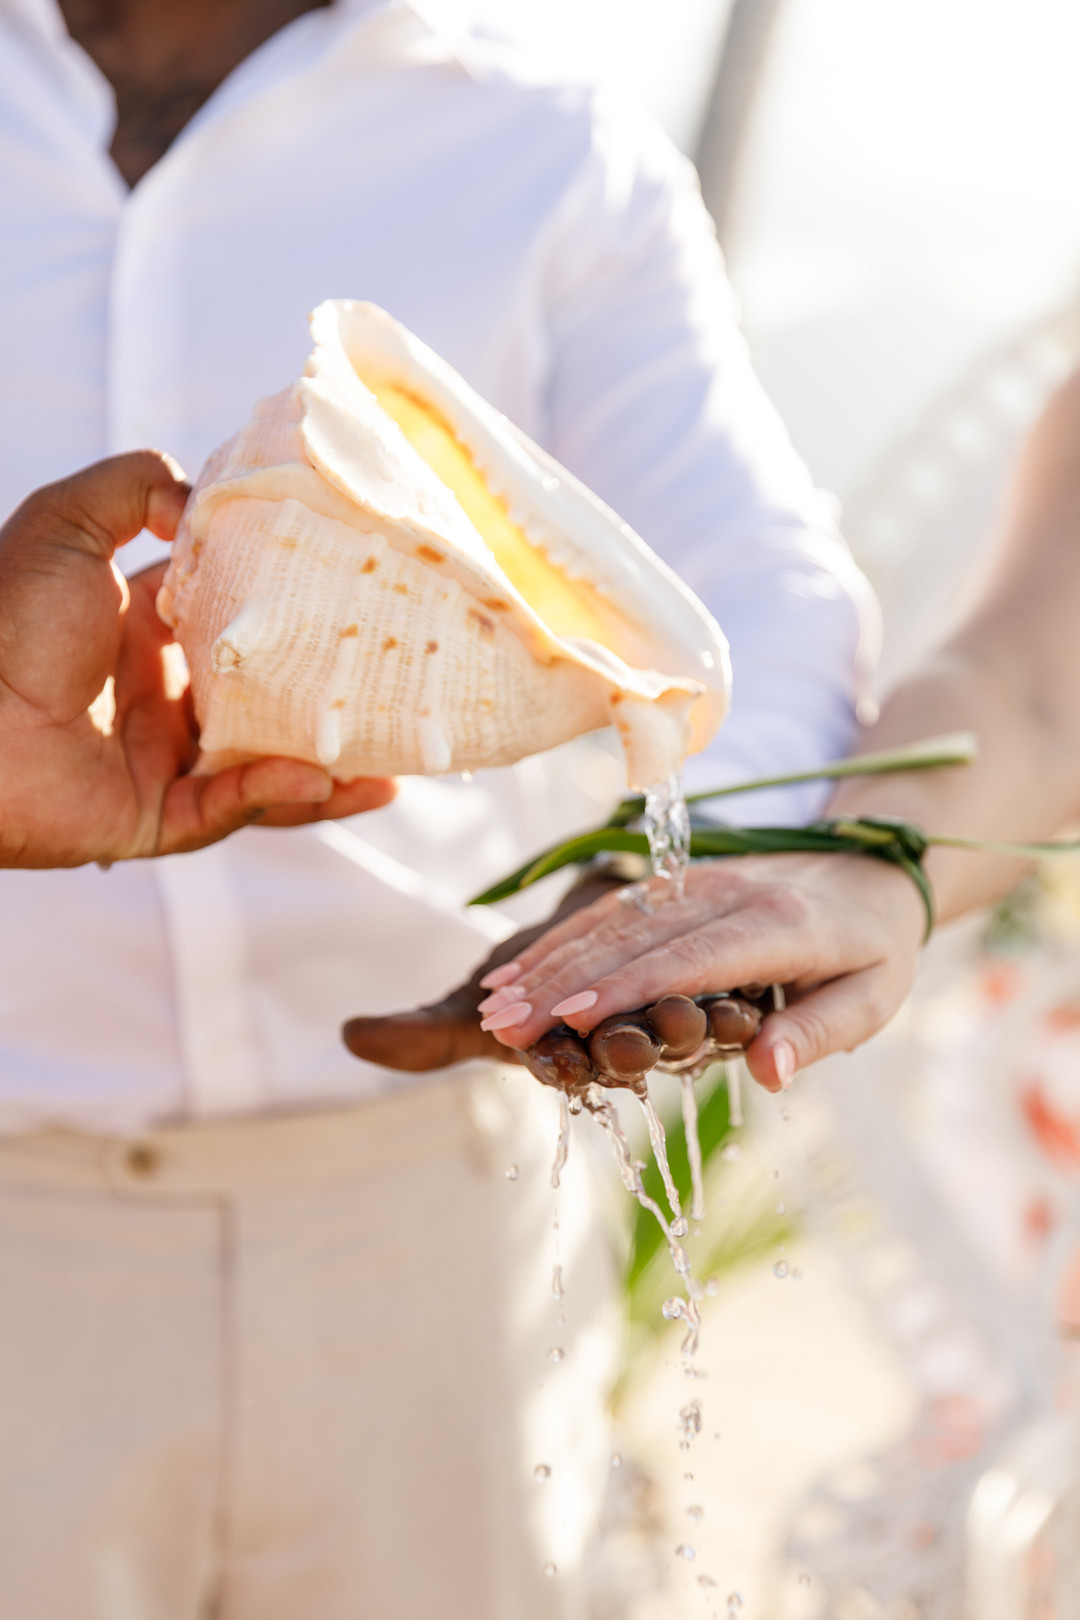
[
  {"x": 85, "y": 780},
  {"x": 844, "y": 932}
]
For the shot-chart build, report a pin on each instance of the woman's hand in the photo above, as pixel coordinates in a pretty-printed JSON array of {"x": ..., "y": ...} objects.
[{"x": 840, "y": 932}]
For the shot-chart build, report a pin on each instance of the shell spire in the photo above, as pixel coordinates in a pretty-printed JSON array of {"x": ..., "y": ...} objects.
[{"x": 381, "y": 574}]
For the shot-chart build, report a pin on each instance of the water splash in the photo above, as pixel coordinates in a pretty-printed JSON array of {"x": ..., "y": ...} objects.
[
  {"x": 636, "y": 895},
  {"x": 667, "y": 827},
  {"x": 693, "y": 1147}
]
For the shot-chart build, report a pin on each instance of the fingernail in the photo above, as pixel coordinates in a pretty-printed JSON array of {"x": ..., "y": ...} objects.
[
  {"x": 507, "y": 1017},
  {"x": 784, "y": 1062},
  {"x": 573, "y": 1004},
  {"x": 501, "y": 975},
  {"x": 501, "y": 998}
]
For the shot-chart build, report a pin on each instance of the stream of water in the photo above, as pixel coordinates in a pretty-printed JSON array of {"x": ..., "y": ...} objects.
[
  {"x": 693, "y": 1146},
  {"x": 667, "y": 827},
  {"x": 689, "y": 1310}
]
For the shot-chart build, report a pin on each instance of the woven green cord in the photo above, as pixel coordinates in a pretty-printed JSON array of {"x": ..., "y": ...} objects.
[{"x": 898, "y": 843}]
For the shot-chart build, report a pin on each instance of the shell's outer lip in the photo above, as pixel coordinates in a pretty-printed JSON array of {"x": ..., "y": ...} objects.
[{"x": 583, "y": 536}]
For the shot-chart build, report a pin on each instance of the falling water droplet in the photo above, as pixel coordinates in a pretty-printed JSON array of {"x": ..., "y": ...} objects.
[
  {"x": 511, "y": 1172},
  {"x": 796, "y": 1275},
  {"x": 541, "y": 1471},
  {"x": 780, "y": 1269},
  {"x": 689, "y": 1478},
  {"x": 712, "y": 1287},
  {"x": 731, "y": 1151},
  {"x": 616, "y": 1460},
  {"x": 683, "y": 1551},
  {"x": 466, "y": 776},
  {"x": 690, "y": 1418},
  {"x": 551, "y": 1569},
  {"x": 697, "y": 1513},
  {"x": 556, "y": 1353},
  {"x": 672, "y": 1309},
  {"x": 804, "y": 1580},
  {"x": 556, "y": 1282},
  {"x": 781, "y": 1208},
  {"x": 705, "y": 1580},
  {"x": 734, "y": 1602}
]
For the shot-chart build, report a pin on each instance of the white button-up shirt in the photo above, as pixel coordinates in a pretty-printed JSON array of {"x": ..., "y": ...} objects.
[{"x": 551, "y": 244}]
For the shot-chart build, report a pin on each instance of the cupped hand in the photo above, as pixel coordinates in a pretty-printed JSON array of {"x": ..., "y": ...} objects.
[
  {"x": 96, "y": 731},
  {"x": 840, "y": 932}
]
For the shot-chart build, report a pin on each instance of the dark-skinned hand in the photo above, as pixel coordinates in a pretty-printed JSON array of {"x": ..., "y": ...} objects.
[{"x": 97, "y": 735}]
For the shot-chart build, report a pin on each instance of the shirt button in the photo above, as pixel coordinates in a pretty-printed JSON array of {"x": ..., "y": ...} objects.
[{"x": 143, "y": 1160}]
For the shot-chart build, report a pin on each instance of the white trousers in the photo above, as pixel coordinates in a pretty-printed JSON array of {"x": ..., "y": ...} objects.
[{"x": 298, "y": 1368}]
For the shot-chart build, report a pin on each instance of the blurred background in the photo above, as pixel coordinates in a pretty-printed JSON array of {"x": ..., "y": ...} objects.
[{"x": 894, "y": 186}]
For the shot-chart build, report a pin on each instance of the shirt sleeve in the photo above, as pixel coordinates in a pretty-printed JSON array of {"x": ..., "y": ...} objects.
[{"x": 653, "y": 401}]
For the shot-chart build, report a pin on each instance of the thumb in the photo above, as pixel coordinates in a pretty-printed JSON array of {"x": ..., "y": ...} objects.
[
  {"x": 835, "y": 1018},
  {"x": 107, "y": 504},
  {"x": 61, "y": 600},
  {"x": 427, "y": 1037}
]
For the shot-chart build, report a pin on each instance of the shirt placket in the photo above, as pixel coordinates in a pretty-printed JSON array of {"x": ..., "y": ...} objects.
[{"x": 204, "y": 916}]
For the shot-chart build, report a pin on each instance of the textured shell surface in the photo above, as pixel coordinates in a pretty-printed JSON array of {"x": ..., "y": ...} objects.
[{"x": 380, "y": 574}]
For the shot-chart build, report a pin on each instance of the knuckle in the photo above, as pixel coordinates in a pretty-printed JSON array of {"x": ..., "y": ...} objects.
[
  {"x": 877, "y": 1006},
  {"x": 688, "y": 960},
  {"x": 814, "y": 1034},
  {"x": 785, "y": 905}
]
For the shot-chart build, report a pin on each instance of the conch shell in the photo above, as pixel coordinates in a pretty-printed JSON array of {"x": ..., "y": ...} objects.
[{"x": 382, "y": 575}]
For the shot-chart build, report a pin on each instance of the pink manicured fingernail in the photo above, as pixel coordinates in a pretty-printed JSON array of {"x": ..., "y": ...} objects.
[
  {"x": 501, "y": 975},
  {"x": 784, "y": 1062},
  {"x": 507, "y": 1017},
  {"x": 501, "y": 998},
  {"x": 579, "y": 1003}
]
